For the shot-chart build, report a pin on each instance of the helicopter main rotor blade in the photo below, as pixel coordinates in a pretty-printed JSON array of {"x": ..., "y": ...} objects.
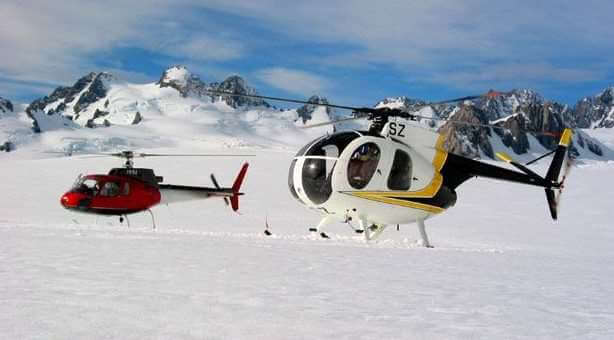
[
  {"x": 331, "y": 122},
  {"x": 296, "y": 101},
  {"x": 190, "y": 155},
  {"x": 461, "y": 122},
  {"x": 368, "y": 112}
]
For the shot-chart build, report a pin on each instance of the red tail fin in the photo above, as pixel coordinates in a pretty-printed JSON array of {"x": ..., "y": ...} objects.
[{"x": 234, "y": 199}]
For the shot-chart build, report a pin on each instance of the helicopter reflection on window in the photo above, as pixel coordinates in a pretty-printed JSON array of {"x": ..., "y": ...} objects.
[{"x": 363, "y": 164}]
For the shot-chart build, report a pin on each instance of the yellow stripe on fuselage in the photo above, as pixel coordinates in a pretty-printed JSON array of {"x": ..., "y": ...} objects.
[
  {"x": 440, "y": 154},
  {"x": 389, "y": 198}
]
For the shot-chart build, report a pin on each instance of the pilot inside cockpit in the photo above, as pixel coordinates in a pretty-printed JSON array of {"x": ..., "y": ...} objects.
[{"x": 363, "y": 164}]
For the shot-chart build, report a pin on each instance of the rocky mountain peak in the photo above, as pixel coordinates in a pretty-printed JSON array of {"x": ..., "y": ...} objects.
[
  {"x": 237, "y": 85},
  {"x": 399, "y": 103},
  {"x": 177, "y": 75},
  {"x": 606, "y": 97},
  {"x": 305, "y": 112},
  {"x": 182, "y": 80},
  {"x": 5, "y": 105},
  {"x": 594, "y": 112}
]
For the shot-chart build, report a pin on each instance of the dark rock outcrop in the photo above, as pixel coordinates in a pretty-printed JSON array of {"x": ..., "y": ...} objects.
[
  {"x": 466, "y": 139},
  {"x": 593, "y": 112},
  {"x": 305, "y": 112},
  {"x": 237, "y": 85},
  {"x": 5, "y": 105}
]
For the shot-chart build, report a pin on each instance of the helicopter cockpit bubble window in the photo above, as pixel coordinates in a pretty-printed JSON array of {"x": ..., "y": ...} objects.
[
  {"x": 363, "y": 164},
  {"x": 339, "y": 140},
  {"x": 400, "y": 174},
  {"x": 320, "y": 159},
  {"x": 291, "y": 179},
  {"x": 85, "y": 185}
]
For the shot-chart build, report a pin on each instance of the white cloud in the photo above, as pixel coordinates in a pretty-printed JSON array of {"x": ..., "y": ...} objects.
[
  {"x": 207, "y": 48},
  {"x": 55, "y": 42},
  {"x": 294, "y": 81}
]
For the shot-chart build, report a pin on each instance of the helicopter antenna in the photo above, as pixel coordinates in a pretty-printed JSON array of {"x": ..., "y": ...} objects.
[{"x": 380, "y": 116}]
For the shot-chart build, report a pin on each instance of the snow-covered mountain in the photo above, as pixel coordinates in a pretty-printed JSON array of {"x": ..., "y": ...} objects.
[
  {"x": 100, "y": 99},
  {"x": 102, "y": 112}
]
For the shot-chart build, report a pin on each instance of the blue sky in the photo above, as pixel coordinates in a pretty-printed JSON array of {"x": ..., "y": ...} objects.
[{"x": 353, "y": 52}]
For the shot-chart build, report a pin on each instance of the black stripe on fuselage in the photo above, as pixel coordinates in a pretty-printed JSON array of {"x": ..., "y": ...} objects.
[{"x": 444, "y": 198}]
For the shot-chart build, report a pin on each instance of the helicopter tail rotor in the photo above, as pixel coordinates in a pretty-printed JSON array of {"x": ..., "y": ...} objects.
[
  {"x": 553, "y": 182},
  {"x": 561, "y": 159},
  {"x": 217, "y": 186}
]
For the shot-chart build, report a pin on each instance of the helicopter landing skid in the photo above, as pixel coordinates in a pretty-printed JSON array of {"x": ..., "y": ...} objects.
[
  {"x": 323, "y": 222},
  {"x": 121, "y": 220},
  {"x": 424, "y": 239},
  {"x": 153, "y": 220},
  {"x": 371, "y": 232}
]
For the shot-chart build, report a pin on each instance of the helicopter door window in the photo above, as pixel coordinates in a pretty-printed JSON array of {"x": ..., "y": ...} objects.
[
  {"x": 363, "y": 164},
  {"x": 400, "y": 174},
  {"x": 110, "y": 189}
]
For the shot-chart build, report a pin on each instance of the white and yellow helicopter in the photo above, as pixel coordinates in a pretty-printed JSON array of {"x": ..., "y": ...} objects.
[{"x": 396, "y": 172}]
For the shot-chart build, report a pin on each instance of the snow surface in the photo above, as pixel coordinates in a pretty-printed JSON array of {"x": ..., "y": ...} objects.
[{"x": 500, "y": 267}]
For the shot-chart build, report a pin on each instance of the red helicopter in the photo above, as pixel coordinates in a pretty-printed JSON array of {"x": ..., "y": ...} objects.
[{"x": 130, "y": 190}]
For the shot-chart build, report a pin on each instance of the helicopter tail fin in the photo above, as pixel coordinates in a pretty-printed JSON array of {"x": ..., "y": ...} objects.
[{"x": 234, "y": 199}]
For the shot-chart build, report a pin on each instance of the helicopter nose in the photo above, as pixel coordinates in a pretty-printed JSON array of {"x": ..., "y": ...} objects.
[{"x": 69, "y": 200}]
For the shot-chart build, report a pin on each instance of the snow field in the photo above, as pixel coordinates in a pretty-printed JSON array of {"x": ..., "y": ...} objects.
[{"x": 500, "y": 267}]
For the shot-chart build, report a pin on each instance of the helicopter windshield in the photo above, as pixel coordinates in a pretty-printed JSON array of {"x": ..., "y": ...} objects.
[
  {"x": 320, "y": 159},
  {"x": 86, "y": 185},
  {"x": 337, "y": 141}
]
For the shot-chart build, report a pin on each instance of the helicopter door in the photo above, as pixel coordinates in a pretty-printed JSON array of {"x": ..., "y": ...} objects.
[{"x": 400, "y": 172}]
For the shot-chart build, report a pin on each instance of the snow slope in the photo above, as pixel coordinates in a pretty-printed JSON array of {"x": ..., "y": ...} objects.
[{"x": 500, "y": 267}]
